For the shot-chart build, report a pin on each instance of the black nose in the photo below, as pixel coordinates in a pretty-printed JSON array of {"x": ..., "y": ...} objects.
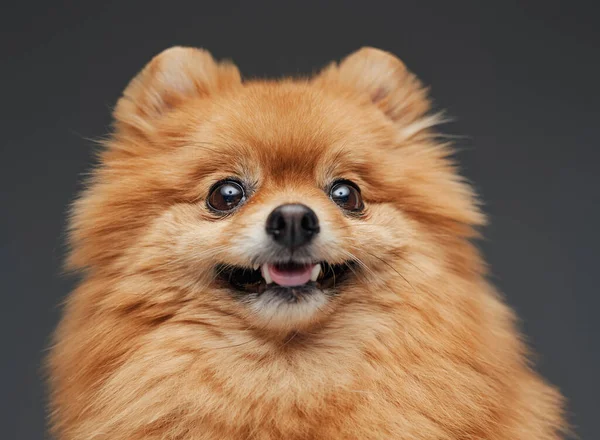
[{"x": 292, "y": 225}]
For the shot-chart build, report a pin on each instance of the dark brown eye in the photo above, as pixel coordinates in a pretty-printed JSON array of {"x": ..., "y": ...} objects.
[
  {"x": 347, "y": 196},
  {"x": 225, "y": 196}
]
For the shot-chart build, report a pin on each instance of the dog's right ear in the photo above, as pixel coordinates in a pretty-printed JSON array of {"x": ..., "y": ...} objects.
[{"x": 173, "y": 76}]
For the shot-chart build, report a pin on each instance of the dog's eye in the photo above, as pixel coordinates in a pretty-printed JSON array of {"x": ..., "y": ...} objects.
[
  {"x": 347, "y": 196},
  {"x": 225, "y": 196}
]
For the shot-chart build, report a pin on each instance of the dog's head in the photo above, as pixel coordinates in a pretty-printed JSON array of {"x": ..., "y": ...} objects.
[{"x": 272, "y": 201}]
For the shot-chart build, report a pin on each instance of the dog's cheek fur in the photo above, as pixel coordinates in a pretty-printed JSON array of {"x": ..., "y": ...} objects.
[{"x": 145, "y": 350}]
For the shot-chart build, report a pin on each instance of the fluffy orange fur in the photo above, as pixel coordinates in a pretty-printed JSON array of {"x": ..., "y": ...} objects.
[{"x": 416, "y": 345}]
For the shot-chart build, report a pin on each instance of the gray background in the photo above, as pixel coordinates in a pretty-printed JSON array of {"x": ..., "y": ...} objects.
[{"x": 520, "y": 78}]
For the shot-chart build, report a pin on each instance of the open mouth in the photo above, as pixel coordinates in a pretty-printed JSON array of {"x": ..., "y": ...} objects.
[{"x": 283, "y": 275}]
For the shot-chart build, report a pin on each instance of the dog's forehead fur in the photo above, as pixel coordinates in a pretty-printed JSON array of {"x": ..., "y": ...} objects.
[{"x": 290, "y": 130}]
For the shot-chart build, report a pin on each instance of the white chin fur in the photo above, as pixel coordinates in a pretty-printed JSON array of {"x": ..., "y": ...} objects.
[{"x": 281, "y": 313}]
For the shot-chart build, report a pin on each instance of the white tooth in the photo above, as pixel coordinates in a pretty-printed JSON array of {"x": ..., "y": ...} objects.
[
  {"x": 264, "y": 269},
  {"x": 256, "y": 266},
  {"x": 315, "y": 272}
]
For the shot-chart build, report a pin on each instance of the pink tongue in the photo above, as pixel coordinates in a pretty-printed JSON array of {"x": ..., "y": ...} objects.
[{"x": 290, "y": 277}]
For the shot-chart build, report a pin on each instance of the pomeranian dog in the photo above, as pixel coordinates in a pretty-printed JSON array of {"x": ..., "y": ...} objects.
[{"x": 287, "y": 259}]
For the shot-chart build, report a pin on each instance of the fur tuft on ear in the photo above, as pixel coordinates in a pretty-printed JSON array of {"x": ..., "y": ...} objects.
[
  {"x": 389, "y": 85},
  {"x": 174, "y": 75}
]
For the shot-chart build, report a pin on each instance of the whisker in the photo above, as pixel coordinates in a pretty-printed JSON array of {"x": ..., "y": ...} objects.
[
  {"x": 290, "y": 339},
  {"x": 394, "y": 269},
  {"x": 360, "y": 262},
  {"x": 358, "y": 274}
]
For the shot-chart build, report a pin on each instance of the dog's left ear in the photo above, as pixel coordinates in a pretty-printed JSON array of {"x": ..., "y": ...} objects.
[
  {"x": 170, "y": 78},
  {"x": 385, "y": 80}
]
